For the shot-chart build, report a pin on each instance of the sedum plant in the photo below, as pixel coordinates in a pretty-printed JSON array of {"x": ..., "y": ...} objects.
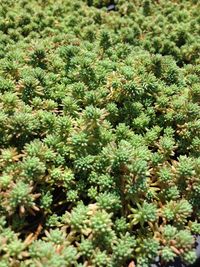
[{"x": 99, "y": 132}]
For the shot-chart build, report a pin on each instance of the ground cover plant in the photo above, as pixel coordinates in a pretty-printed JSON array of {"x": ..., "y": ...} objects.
[{"x": 99, "y": 132}]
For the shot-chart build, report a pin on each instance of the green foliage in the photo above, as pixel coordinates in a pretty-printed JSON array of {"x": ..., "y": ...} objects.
[{"x": 99, "y": 132}]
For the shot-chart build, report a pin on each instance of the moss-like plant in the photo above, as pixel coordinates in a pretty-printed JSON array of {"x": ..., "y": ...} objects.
[{"x": 99, "y": 132}]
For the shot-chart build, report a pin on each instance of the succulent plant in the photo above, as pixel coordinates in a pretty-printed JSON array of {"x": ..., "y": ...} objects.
[{"x": 99, "y": 132}]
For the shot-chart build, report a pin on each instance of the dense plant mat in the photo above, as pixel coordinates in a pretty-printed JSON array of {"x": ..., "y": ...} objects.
[{"x": 99, "y": 132}]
